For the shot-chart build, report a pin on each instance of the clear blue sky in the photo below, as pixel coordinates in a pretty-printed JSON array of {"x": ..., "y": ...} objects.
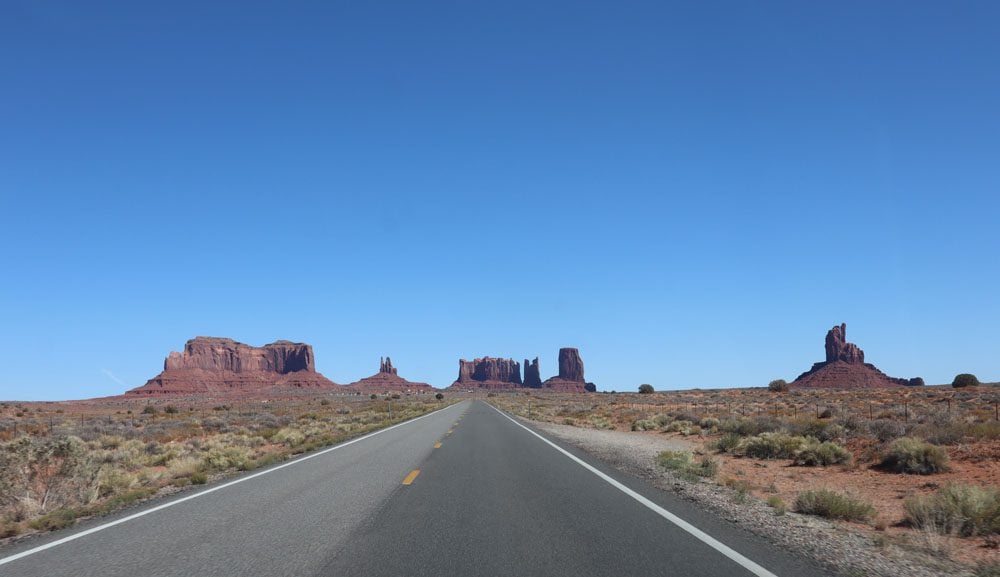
[{"x": 691, "y": 193}]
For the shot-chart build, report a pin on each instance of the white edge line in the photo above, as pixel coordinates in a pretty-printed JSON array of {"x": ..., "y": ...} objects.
[
  {"x": 694, "y": 531},
  {"x": 75, "y": 536}
]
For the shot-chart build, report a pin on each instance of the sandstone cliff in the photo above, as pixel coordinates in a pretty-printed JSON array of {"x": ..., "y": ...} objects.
[
  {"x": 570, "y": 377},
  {"x": 488, "y": 373},
  {"x": 532, "y": 375},
  {"x": 219, "y": 365}
]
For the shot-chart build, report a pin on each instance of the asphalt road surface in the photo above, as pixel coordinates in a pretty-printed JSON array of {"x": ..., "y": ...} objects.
[{"x": 465, "y": 491}]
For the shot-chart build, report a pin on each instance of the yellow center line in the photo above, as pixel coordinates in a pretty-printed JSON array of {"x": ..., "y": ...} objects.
[
  {"x": 437, "y": 445},
  {"x": 409, "y": 478}
]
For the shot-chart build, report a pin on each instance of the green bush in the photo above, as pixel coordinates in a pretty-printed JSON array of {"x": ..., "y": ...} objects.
[
  {"x": 820, "y": 429},
  {"x": 831, "y": 505},
  {"x": 771, "y": 446},
  {"x": 727, "y": 443},
  {"x": 815, "y": 453},
  {"x": 199, "y": 479},
  {"x": 965, "y": 380},
  {"x": 644, "y": 425},
  {"x": 966, "y": 510},
  {"x": 778, "y": 385},
  {"x": 915, "y": 457},
  {"x": 439, "y": 396},
  {"x": 683, "y": 463},
  {"x": 777, "y": 504},
  {"x": 170, "y": 409},
  {"x": 149, "y": 410},
  {"x": 54, "y": 520},
  {"x": 645, "y": 389}
]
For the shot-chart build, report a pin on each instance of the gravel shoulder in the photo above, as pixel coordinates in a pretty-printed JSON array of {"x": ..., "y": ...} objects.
[{"x": 838, "y": 546}]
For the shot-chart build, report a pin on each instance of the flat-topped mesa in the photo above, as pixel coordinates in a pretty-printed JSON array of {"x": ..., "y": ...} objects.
[
  {"x": 570, "y": 378},
  {"x": 845, "y": 367},
  {"x": 220, "y": 365},
  {"x": 489, "y": 373},
  {"x": 220, "y": 354},
  {"x": 386, "y": 380},
  {"x": 532, "y": 375}
]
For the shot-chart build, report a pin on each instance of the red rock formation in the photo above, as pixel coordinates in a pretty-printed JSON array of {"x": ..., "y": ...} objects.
[
  {"x": 845, "y": 367},
  {"x": 488, "y": 373},
  {"x": 838, "y": 349},
  {"x": 570, "y": 378},
  {"x": 387, "y": 381},
  {"x": 219, "y": 365},
  {"x": 532, "y": 375},
  {"x": 385, "y": 366}
]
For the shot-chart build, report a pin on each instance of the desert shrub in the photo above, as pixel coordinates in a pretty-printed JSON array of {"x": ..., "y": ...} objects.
[
  {"x": 643, "y": 425},
  {"x": 747, "y": 427},
  {"x": 942, "y": 431},
  {"x": 987, "y": 569},
  {"x": 222, "y": 457},
  {"x": 816, "y": 428},
  {"x": 886, "y": 430},
  {"x": 683, "y": 427},
  {"x": 778, "y": 385},
  {"x": 965, "y": 380},
  {"x": 171, "y": 410},
  {"x": 832, "y": 505},
  {"x": 645, "y": 389},
  {"x": 199, "y": 479},
  {"x": 914, "y": 456},
  {"x": 727, "y": 443},
  {"x": 683, "y": 463},
  {"x": 741, "y": 487},
  {"x": 777, "y": 504},
  {"x": 915, "y": 382},
  {"x": 439, "y": 396},
  {"x": 602, "y": 423},
  {"x": 662, "y": 421},
  {"x": 58, "y": 519},
  {"x": 149, "y": 410},
  {"x": 374, "y": 396},
  {"x": 288, "y": 436},
  {"x": 113, "y": 481},
  {"x": 109, "y": 441},
  {"x": 709, "y": 423},
  {"x": 815, "y": 453},
  {"x": 46, "y": 474},
  {"x": 770, "y": 446},
  {"x": 966, "y": 510}
]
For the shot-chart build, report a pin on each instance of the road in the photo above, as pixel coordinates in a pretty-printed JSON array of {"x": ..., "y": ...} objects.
[{"x": 465, "y": 491}]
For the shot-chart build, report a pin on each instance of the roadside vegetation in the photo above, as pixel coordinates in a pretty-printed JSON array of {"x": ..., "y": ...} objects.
[{"x": 58, "y": 465}]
